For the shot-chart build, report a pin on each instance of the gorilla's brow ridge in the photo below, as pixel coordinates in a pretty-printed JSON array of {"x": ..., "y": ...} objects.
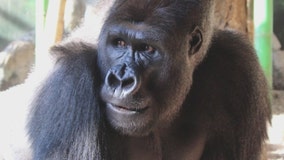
[{"x": 134, "y": 34}]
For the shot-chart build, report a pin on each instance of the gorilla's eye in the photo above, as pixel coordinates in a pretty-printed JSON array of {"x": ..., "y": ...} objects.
[
  {"x": 146, "y": 48},
  {"x": 119, "y": 42}
]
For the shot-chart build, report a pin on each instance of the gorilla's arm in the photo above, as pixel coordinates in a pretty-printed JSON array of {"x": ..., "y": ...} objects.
[
  {"x": 65, "y": 113},
  {"x": 230, "y": 89}
]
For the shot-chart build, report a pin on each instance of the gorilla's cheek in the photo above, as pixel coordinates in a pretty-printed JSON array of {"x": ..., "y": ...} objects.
[{"x": 169, "y": 89}]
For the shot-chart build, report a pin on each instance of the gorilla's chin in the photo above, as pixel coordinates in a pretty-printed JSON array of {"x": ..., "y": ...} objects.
[{"x": 132, "y": 122}]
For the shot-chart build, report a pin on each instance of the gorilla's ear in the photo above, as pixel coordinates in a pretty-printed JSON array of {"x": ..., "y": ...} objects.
[{"x": 195, "y": 41}]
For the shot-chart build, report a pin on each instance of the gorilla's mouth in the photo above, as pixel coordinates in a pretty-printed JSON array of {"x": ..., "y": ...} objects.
[{"x": 124, "y": 109}]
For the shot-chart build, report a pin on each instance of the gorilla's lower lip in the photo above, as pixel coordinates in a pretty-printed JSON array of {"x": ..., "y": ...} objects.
[{"x": 123, "y": 109}]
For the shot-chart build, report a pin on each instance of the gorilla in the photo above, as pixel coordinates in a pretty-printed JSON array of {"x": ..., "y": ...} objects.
[{"x": 161, "y": 83}]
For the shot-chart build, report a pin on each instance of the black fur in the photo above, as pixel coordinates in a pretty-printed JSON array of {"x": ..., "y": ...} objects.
[
  {"x": 69, "y": 95},
  {"x": 214, "y": 75}
]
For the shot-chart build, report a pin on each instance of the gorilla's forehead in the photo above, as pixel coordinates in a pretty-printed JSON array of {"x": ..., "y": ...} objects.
[
  {"x": 166, "y": 14},
  {"x": 135, "y": 32}
]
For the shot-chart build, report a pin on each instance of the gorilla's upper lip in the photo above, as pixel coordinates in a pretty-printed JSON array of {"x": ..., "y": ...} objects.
[{"x": 133, "y": 109}]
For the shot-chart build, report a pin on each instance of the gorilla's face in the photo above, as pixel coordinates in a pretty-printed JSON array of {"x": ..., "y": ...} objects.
[{"x": 147, "y": 75}]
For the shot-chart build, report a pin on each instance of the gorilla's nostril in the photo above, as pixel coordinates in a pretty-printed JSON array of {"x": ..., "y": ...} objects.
[
  {"x": 112, "y": 80},
  {"x": 122, "y": 81},
  {"x": 128, "y": 83}
]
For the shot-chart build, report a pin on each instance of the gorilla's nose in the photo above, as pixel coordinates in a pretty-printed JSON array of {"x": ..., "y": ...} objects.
[{"x": 122, "y": 80}]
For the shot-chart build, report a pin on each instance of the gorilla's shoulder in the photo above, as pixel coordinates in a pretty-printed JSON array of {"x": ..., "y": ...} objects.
[
  {"x": 233, "y": 59},
  {"x": 73, "y": 50},
  {"x": 231, "y": 43},
  {"x": 231, "y": 50}
]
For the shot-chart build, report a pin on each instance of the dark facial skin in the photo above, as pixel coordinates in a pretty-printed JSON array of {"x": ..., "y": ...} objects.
[{"x": 145, "y": 82}]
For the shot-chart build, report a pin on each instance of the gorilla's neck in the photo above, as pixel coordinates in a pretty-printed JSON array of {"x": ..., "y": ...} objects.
[
  {"x": 167, "y": 144},
  {"x": 148, "y": 147}
]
